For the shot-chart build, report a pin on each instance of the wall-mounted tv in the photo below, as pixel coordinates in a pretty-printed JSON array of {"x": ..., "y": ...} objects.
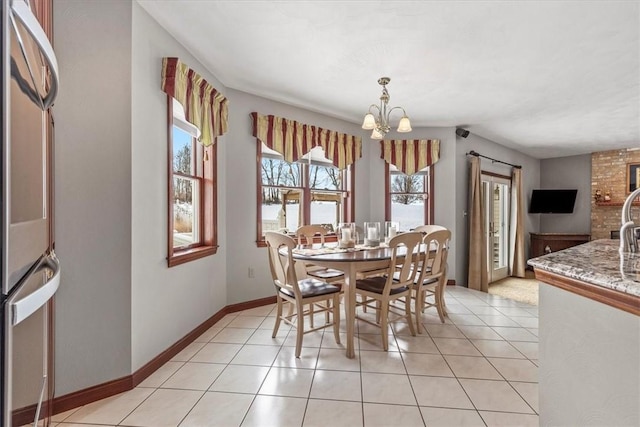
[{"x": 552, "y": 201}]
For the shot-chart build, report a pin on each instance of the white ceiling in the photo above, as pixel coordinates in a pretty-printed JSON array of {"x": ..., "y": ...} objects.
[{"x": 548, "y": 78}]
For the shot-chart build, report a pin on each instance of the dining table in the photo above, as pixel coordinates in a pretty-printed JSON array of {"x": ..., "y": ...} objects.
[{"x": 351, "y": 261}]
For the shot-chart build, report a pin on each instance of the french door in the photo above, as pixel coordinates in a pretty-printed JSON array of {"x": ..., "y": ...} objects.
[{"x": 496, "y": 192}]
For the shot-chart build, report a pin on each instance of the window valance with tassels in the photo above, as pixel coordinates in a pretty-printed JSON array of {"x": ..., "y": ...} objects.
[
  {"x": 293, "y": 140},
  {"x": 204, "y": 106},
  {"x": 410, "y": 155}
]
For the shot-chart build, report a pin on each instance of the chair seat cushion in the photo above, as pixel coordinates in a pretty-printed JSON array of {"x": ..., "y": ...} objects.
[
  {"x": 325, "y": 273},
  {"x": 376, "y": 285},
  {"x": 312, "y": 288}
]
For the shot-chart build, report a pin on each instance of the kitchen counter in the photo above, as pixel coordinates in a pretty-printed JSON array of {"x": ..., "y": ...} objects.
[
  {"x": 589, "y": 336},
  {"x": 596, "y": 270}
]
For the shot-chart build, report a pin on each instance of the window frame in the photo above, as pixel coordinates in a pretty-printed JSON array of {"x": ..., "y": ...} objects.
[
  {"x": 206, "y": 171},
  {"x": 306, "y": 190},
  {"x": 429, "y": 201}
]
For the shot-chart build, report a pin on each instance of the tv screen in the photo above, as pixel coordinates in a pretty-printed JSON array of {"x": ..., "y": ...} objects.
[{"x": 552, "y": 201}]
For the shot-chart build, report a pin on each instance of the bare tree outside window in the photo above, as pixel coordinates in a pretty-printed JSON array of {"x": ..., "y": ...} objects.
[{"x": 404, "y": 187}]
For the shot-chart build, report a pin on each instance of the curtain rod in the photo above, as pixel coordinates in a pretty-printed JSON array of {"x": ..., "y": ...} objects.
[{"x": 476, "y": 154}]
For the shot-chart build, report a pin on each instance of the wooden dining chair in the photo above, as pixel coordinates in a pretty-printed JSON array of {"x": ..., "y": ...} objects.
[
  {"x": 305, "y": 235},
  {"x": 429, "y": 228},
  {"x": 301, "y": 293},
  {"x": 432, "y": 278},
  {"x": 395, "y": 284}
]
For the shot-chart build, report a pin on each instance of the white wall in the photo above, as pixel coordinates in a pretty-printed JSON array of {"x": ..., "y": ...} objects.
[
  {"x": 530, "y": 180},
  {"x": 568, "y": 172},
  {"x": 166, "y": 303},
  {"x": 93, "y": 192}
]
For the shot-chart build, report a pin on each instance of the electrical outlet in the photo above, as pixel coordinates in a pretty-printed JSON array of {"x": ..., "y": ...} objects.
[{"x": 251, "y": 273}]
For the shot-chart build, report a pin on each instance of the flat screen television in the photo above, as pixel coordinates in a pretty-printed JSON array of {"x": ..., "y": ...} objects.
[{"x": 552, "y": 201}]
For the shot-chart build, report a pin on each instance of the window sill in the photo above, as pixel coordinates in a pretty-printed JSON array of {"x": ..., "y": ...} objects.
[{"x": 187, "y": 255}]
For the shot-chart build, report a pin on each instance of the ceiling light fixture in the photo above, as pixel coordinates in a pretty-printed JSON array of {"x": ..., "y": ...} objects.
[{"x": 380, "y": 125}]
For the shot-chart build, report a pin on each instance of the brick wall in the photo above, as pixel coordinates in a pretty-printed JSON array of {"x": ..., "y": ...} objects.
[{"x": 609, "y": 173}]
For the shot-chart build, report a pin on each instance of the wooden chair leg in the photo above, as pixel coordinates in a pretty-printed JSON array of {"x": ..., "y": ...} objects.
[
  {"x": 326, "y": 313},
  {"x": 336, "y": 318},
  {"x": 442, "y": 303},
  {"x": 438, "y": 298},
  {"x": 407, "y": 308},
  {"x": 418, "y": 306},
  {"x": 384, "y": 325},
  {"x": 290, "y": 311},
  {"x": 299, "y": 331},
  {"x": 311, "y": 315},
  {"x": 278, "y": 316}
]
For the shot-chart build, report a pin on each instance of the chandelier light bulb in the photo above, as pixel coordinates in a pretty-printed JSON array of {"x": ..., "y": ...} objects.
[
  {"x": 376, "y": 134},
  {"x": 369, "y": 122},
  {"x": 404, "y": 125}
]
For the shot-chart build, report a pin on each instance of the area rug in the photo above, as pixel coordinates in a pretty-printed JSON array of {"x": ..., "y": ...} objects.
[{"x": 518, "y": 289}]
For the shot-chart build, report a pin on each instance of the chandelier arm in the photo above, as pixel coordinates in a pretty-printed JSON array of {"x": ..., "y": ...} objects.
[
  {"x": 395, "y": 108},
  {"x": 374, "y": 106}
]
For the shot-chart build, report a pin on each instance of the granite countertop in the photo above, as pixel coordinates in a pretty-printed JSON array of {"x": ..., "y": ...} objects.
[{"x": 598, "y": 262}]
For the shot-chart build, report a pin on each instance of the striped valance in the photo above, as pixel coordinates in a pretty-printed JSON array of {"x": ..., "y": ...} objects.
[
  {"x": 204, "y": 106},
  {"x": 293, "y": 140},
  {"x": 410, "y": 155}
]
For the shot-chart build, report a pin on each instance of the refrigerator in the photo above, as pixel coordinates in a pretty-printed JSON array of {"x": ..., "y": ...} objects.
[{"x": 29, "y": 269}]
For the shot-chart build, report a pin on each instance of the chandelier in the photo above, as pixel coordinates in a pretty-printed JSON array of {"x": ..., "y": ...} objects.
[{"x": 380, "y": 124}]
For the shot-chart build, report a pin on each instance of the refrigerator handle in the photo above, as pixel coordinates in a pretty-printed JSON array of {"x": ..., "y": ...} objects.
[
  {"x": 23, "y": 13},
  {"x": 27, "y": 305}
]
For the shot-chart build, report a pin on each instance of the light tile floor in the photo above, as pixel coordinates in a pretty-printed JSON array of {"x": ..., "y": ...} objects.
[{"x": 477, "y": 369}]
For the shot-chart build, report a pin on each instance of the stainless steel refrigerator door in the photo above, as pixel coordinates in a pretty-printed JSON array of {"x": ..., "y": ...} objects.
[
  {"x": 27, "y": 346},
  {"x": 27, "y": 93}
]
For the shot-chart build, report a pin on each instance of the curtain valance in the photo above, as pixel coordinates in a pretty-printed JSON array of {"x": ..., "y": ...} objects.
[
  {"x": 204, "y": 106},
  {"x": 410, "y": 155},
  {"x": 293, "y": 140}
]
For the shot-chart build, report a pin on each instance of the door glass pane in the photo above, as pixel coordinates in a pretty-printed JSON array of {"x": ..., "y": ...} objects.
[
  {"x": 496, "y": 221},
  {"x": 500, "y": 221},
  {"x": 185, "y": 211}
]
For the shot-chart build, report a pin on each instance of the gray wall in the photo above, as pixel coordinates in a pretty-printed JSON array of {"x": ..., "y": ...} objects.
[
  {"x": 93, "y": 192},
  {"x": 568, "y": 172},
  {"x": 166, "y": 303}
]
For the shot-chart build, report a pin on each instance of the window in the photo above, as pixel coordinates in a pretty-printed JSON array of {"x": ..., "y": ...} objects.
[
  {"x": 192, "y": 191},
  {"x": 409, "y": 198},
  {"x": 309, "y": 191}
]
